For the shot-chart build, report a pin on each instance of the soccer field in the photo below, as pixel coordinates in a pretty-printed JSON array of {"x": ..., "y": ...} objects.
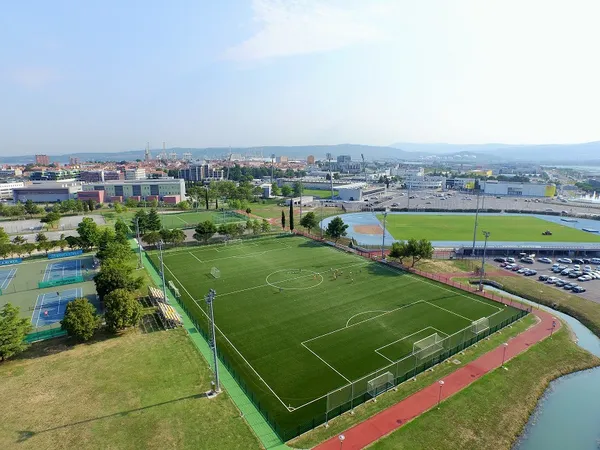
[
  {"x": 191, "y": 218},
  {"x": 447, "y": 227},
  {"x": 297, "y": 320}
]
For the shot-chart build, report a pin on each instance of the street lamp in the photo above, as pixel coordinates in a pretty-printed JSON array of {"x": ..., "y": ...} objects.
[
  {"x": 553, "y": 326},
  {"x": 482, "y": 271},
  {"x": 441, "y": 383},
  {"x": 385, "y": 213},
  {"x": 505, "y": 345},
  {"x": 341, "y": 437},
  {"x": 210, "y": 297}
]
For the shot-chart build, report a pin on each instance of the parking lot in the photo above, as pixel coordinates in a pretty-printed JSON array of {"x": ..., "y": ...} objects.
[{"x": 592, "y": 287}]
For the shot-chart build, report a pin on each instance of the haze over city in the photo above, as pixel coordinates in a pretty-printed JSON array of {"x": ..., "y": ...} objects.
[{"x": 108, "y": 77}]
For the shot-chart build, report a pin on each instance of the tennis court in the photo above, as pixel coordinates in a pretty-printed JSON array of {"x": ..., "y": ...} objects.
[
  {"x": 50, "y": 307},
  {"x": 6, "y": 276},
  {"x": 62, "y": 269}
]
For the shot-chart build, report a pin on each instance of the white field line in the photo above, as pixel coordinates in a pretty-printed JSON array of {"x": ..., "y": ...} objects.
[
  {"x": 246, "y": 255},
  {"x": 405, "y": 337},
  {"x": 451, "y": 312},
  {"x": 326, "y": 363},
  {"x": 8, "y": 278},
  {"x": 288, "y": 279},
  {"x": 196, "y": 257},
  {"x": 184, "y": 221},
  {"x": 364, "y": 312},
  {"x": 48, "y": 267},
  {"x": 39, "y": 310},
  {"x": 230, "y": 343},
  {"x": 426, "y": 281},
  {"x": 35, "y": 308}
]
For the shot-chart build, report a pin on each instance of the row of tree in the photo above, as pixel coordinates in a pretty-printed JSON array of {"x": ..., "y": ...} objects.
[
  {"x": 412, "y": 248},
  {"x": 31, "y": 209},
  {"x": 207, "y": 229}
]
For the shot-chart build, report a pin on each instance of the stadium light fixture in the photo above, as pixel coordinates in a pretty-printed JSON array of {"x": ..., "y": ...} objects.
[
  {"x": 210, "y": 297},
  {"x": 341, "y": 437},
  {"x": 505, "y": 345},
  {"x": 441, "y": 383}
]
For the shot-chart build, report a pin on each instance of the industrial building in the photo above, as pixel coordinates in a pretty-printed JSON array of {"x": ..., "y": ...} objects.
[
  {"x": 307, "y": 200},
  {"x": 168, "y": 190},
  {"x": 135, "y": 174},
  {"x": 94, "y": 176},
  {"x": 493, "y": 187},
  {"x": 6, "y": 189},
  {"x": 54, "y": 175},
  {"x": 47, "y": 192}
]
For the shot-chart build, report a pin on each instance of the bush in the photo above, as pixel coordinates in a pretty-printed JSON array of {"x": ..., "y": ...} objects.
[
  {"x": 81, "y": 320},
  {"x": 122, "y": 310}
]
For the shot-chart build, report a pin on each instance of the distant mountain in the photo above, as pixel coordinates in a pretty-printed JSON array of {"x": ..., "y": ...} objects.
[
  {"x": 355, "y": 150},
  {"x": 589, "y": 151}
]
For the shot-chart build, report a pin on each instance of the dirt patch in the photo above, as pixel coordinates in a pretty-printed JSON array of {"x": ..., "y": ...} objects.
[{"x": 368, "y": 229}]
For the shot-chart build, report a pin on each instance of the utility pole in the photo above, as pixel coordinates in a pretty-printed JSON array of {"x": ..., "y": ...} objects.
[
  {"x": 162, "y": 269},
  {"x": 272, "y": 166},
  {"x": 210, "y": 297},
  {"x": 301, "y": 192},
  {"x": 482, "y": 271},
  {"x": 137, "y": 234}
]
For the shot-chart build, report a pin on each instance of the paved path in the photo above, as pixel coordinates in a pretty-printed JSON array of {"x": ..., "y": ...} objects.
[{"x": 385, "y": 422}]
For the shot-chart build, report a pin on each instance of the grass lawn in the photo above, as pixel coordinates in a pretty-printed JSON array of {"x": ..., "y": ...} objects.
[
  {"x": 445, "y": 227},
  {"x": 295, "y": 331},
  {"x": 190, "y": 219},
  {"x": 492, "y": 411},
  {"x": 323, "y": 194},
  {"x": 136, "y": 391},
  {"x": 272, "y": 210}
]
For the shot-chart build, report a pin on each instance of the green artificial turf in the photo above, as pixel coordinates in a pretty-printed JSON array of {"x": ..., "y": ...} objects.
[
  {"x": 191, "y": 218},
  {"x": 446, "y": 227},
  {"x": 294, "y": 332}
]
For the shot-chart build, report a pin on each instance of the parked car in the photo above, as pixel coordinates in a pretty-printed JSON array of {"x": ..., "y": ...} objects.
[
  {"x": 522, "y": 270},
  {"x": 530, "y": 272},
  {"x": 527, "y": 260},
  {"x": 578, "y": 289},
  {"x": 569, "y": 286},
  {"x": 510, "y": 260},
  {"x": 576, "y": 267},
  {"x": 578, "y": 261},
  {"x": 560, "y": 283},
  {"x": 595, "y": 261},
  {"x": 543, "y": 277},
  {"x": 500, "y": 259},
  {"x": 564, "y": 260},
  {"x": 584, "y": 278},
  {"x": 545, "y": 260},
  {"x": 516, "y": 267},
  {"x": 587, "y": 268},
  {"x": 557, "y": 269},
  {"x": 551, "y": 280},
  {"x": 565, "y": 272},
  {"x": 575, "y": 274}
]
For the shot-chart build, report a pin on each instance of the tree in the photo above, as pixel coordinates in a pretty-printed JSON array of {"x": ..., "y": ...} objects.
[
  {"x": 399, "y": 251},
  {"x": 29, "y": 247},
  {"x": 283, "y": 219},
  {"x": 336, "y": 176},
  {"x": 40, "y": 237},
  {"x": 13, "y": 330},
  {"x": 421, "y": 249},
  {"x": 309, "y": 221},
  {"x": 62, "y": 243},
  {"x": 206, "y": 198},
  {"x": 248, "y": 211},
  {"x": 121, "y": 310},
  {"x": 275, "y": 189},
  {"x": 184, "y": 205},
  {"x": 31, "y": 208},
  {"x": 115, "y": 275},
  {"x": 88, "y": 233},
  {"x": 265, "y": 226},
  {"x": 19, "y": 240},
  {"x": 45, "y": 246},
  {"x": 177, "y": 236},
  {"x": 5, "y": 250},
  {"x": 114, "y": 250},
  {"x": 336, "y": 228},
  {"x": 151, "y": 237},
  {"x": 298, "y": 188},
  {"x": 121, "y": 231},
  {"x": 4, "y": 239},
  {"x": 256, "y": 227},
  {"x": 204, "y": 231},
  {"x": 73, "y": 241},
  {"x": 153, "y": 221},
  {"x": 141, "y": 218},
  {"x": 286, "y": 191},
  {"x": 291, "y": 215},
  {"x": 80, "y": 320}
]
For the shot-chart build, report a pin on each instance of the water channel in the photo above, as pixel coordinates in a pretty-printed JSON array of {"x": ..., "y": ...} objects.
[{"x": 567, "y": 416}]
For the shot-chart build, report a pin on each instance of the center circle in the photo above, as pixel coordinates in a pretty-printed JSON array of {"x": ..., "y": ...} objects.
[{"x": 294, "y": 279}]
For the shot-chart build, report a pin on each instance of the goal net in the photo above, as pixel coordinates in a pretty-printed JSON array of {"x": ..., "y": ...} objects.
[
  {"x": 380, "y": 384},
  {"x": 216, "y": 273},
  {"x": 174, "y": 289},
  {"x": 480, "y": 325},
  {"x": 428, "y": 346}
]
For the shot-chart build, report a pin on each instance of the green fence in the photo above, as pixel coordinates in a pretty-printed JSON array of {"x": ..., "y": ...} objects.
[
  {"x": 61, "y": 282},
  {"x": 349, "y": 396},
  {"x": 44, "y": 335}
]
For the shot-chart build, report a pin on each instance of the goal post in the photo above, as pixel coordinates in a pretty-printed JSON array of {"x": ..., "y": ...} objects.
[
  {"x": 216, "y": 273},
  {"x": 428, "y": 346},
  {"x": 174, "y": 289},
  {"x": 480, "y": 325},
  {"x": 380, "y": 384}
]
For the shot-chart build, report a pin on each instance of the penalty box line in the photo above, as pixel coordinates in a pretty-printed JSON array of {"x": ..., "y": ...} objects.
[{"x": 230, "y": 343}]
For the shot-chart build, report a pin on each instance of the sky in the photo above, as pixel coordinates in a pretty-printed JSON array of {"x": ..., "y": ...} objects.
[{"x": 109, "y": 76}]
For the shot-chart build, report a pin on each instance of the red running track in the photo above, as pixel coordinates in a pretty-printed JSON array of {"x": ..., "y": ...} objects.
[{"x": 391, "y": 419}]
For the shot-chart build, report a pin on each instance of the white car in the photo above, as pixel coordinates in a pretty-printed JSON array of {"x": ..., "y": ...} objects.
[
  {"x": 552, "y": 280},
  {"x": 565, "y": 260},
  {"x": 584, "y": 278},
  {"x": 576, "y": 267}
]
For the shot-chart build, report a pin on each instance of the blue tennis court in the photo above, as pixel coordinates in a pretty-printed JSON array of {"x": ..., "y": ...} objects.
[
  {"x": 62, "y": 269},
  {"x": 51, "y": 306},
  {"x": 6, "y": 276}
]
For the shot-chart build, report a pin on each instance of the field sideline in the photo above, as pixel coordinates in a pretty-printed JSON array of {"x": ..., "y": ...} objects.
[
  {"x": 448, "y": 227},
  {"x": 298, "y": 319}
]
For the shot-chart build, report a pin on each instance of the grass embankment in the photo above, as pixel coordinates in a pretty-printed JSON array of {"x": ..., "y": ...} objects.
[
  {"x": 447, "y": 227},
  {"x": 136, "y": 391},
  {"x": 388, "y": 399},
  {"x": 491, "y": 413}
]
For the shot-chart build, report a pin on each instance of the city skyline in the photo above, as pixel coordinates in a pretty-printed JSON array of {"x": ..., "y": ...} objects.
[{"x": 109, "y": 78}]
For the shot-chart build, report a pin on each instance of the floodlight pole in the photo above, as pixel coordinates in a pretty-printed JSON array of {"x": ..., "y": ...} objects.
[
  {"x": 210, "y": 299},
  {"x": 341, "y": 437},
  {"x": 441, "y": 383},
  {"x": 162, "y": 269},
  {"x": 383, "y": 239},
  {"x": 137, "y": 233},
  {"x": 475, "y": 227},
  {"x": 321, "y": 224},
  {"x": 482, "y": 271},
  {"x": 505, "y": 345}
]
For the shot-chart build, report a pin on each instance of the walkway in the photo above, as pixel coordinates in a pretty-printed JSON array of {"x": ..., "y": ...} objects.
[{"x": 383, "y": 423}]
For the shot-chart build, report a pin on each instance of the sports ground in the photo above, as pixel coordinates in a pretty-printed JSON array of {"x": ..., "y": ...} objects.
[
  {"x": 191, "y": 218},
  {"x": 449, "y": 227},
  {"x": 307, "y": 327}
]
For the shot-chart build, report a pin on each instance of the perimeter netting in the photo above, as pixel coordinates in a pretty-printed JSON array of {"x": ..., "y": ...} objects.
[
  {"x": 380, "y": 384},
  {"x": 428, "y": 346},
  {"x": 480, "y": 325}
]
